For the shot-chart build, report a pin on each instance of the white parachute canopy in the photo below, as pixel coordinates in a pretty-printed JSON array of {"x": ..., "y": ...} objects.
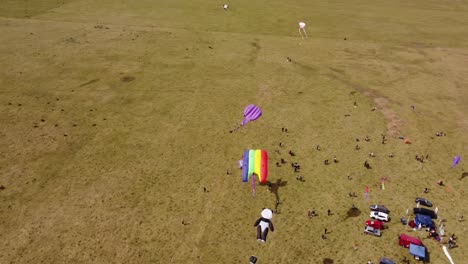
[{"x": 267, "y": 213}]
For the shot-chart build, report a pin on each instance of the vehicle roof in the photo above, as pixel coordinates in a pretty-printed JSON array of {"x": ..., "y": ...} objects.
[
  {"x": 380, "y": 213},
  {"x": 386, "y": 261},
  {"x": 411, "y": 239},
  {"x": 416, "y": 250}
]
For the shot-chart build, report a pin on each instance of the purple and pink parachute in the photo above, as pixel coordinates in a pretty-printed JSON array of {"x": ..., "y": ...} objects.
[{"x": 251, "y": 113}]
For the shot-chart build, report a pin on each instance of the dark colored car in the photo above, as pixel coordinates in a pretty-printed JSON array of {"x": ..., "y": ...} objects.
[
  {"x": 425, "y": 211},
  {"x": 386, "y": 261},
  {"x": 423, "y": 201},
  {"x": 379, "y": 208}
]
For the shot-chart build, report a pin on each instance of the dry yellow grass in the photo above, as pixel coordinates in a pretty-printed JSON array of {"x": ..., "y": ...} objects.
[{"x": 115, "y": 115}]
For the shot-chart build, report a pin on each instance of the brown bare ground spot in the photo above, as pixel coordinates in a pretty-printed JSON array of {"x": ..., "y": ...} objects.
[
  {"x": 127, "y": 78},
  {"x": 394, "y": 122},
  {"x": 266, "y": 93}
]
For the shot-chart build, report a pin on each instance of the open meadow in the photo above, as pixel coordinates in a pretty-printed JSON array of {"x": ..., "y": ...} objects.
[{"x": 115, "y": 115}]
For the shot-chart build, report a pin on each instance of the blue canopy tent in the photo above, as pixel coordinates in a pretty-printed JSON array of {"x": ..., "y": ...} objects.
[
  {"x": 419, "y": 252},
  {"x": 424, "y": 220}
]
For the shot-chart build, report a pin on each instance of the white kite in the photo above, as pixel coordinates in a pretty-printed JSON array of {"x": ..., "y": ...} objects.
[
  {"x": 302, "y": 30},
  {"x": 447, "y": 254}
]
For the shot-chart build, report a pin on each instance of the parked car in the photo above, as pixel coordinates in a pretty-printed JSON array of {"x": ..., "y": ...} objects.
[
  {"x": 405, "y": 240},
  {"x": 379, "y": 208},
  {"x": 379, "y": 216},
  {"x": 386, "y": 261},
  {"x": 423, "y": 201},
  {"x": 425, "y": 211},
  {"x": 372, "y": 231},
  {"x": 375, "y": 224}
]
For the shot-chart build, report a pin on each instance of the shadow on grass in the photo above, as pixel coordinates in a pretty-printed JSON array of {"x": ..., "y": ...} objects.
[
  {"x": 353, "y": 212},
  {"x": 464, "y": 174},
  {"x": 274, "y": 187}
]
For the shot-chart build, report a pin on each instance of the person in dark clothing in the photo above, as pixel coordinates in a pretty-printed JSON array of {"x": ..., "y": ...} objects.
[{"x": 366, "y": 165}]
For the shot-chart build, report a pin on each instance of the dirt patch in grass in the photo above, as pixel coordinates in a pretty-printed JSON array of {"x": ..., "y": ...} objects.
[
  {"x": 394, "y": 122},
  {"x": 127, "y": 78}
]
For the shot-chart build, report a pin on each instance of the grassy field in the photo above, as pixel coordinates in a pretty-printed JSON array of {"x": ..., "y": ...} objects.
[{"x": 115, "y": 115}]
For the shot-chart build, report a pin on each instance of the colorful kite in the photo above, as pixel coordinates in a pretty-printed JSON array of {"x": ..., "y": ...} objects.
[
  {"x": 455, "y": 162},
  {"x": 251, "y": 113},
  {"x": 255, "y": 162}
]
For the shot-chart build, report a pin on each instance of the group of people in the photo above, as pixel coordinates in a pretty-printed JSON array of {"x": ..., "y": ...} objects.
[
  {"x": 420, "y": 158},
  {"x": 312, "y": 213},
  {"x": 326, "y": 162}
]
